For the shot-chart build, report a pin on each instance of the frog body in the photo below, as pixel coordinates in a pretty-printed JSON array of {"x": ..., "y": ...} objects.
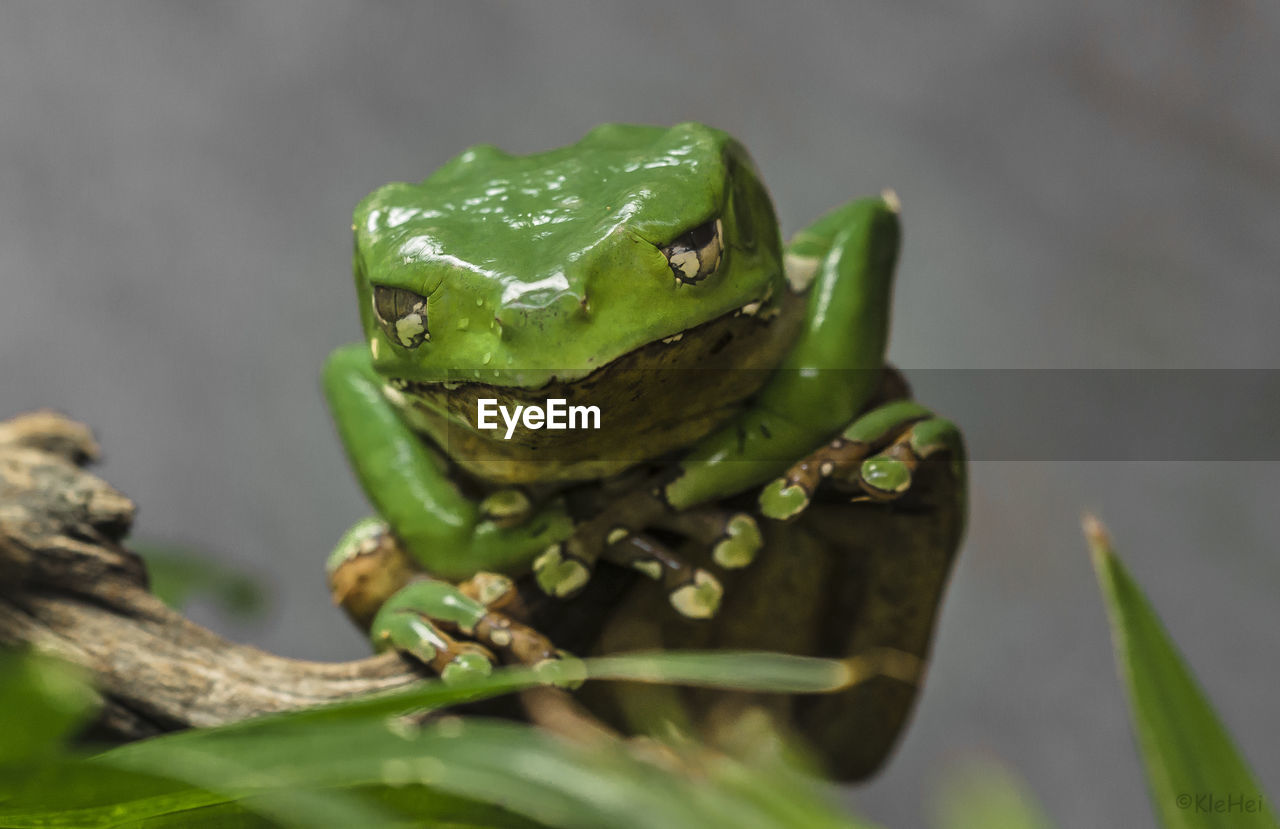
[{"x": 742, "y": 403}]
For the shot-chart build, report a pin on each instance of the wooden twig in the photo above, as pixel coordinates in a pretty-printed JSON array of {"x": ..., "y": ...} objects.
[{"x": 69, "y": 587}]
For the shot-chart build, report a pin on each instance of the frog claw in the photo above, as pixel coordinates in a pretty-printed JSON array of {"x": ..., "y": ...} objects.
[{"x": 699, "y": 599}]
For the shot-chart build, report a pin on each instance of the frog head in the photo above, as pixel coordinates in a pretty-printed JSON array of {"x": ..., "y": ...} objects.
[{"x": 638, "y": 270}]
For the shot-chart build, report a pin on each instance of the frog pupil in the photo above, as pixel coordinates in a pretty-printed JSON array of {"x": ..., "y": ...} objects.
[{"x": 700, "y": 236}]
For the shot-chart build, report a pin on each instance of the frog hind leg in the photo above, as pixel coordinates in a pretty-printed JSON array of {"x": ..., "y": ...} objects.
[{"x": 845, "y": 261}]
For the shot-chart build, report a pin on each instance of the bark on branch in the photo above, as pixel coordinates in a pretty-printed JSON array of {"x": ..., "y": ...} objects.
[{"x": 69, "y": 587}]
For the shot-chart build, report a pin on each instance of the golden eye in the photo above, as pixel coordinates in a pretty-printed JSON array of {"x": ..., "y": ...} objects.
[
  {"x": 695, "y": 254},
  {"x": 402, "y": 315}
]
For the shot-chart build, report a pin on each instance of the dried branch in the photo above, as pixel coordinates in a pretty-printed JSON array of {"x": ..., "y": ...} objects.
[{"x": 70, "y": 588}]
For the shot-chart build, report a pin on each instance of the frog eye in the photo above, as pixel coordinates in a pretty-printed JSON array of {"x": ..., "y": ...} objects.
[
  {"x": 695, "y": 254},
  {"x": 402, "y": 315}
]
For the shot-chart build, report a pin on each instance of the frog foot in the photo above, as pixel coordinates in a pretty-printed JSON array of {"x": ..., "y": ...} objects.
[
  {"x": 889, "y": 474},
  {"x": 693, "y": 592},
  {"x": 617, "y": 534},
  {"x": 734, "y": 538},
  {"x": 564, "y": 568},
  {"x": 483, "y": 596},
  {"x": 875, "y": 456},
  {"x": 427, "y": 616},
  {"x": 414, "y": 632},
  {"x": 561, "y": 571}
]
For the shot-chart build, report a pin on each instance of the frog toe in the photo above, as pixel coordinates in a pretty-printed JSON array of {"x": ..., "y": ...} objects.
[
  {"x": 417, "y": 635},
  {"x": 885, "y": 478},
  {"x": 781, "y": 499},
  {"x": 698, "y": 599},
  {"x": 562, "y": 670},
  {"x": 739, "y": 544},
  {"x": 889, "y": 475},
  {"x": 466, "y": 666},
  {"x": 560, "y": 573}
]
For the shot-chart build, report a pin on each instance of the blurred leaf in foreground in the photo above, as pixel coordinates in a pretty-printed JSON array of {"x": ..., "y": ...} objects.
[
  {"x": 984, "y": 794},
  {"x": 178, "y": 576},
  {"x": 1197, "y": 776},
  {"x": 354, "y": 765},
  {"x": 42, "y": 702}
]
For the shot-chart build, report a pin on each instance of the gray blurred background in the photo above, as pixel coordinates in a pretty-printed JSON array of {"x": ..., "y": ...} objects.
[{"x": 1090, "y": 185}]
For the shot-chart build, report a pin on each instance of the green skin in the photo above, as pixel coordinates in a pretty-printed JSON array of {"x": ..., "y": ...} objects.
[{"x": 510, "y": 275}]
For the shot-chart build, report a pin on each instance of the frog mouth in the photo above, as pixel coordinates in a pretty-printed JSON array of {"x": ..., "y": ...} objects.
[
  {"x": 734, "y": 340},
  {"x": 655, "y": 399}
]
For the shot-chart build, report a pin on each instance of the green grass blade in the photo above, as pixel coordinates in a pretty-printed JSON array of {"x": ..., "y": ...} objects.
[
  {"x": 334, "y": 766},
  {"x": 1197, "y": 777},
  {"x": 743, "y": 670},
  {"x": 516, "y": 767}
]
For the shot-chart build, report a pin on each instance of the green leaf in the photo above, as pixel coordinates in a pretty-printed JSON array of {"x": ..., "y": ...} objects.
[
  {"x": 1196, "y": 775},
  {"x": 984, "y": 794},
  {"x": 742, "y": 670},
  {"x": 178, "y": 576},
  {"x": 42, "y": 701},
  {"x": 351, "y": 765},
  {"x": 517, "y": 767},
  {"x": 73, "y": 792}
]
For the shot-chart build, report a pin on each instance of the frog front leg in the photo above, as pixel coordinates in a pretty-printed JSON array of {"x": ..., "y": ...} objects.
[
  {"x": 446, "y": 534},
  {"x": 845, "y": 260},
  {"x": 450, "y": 535}
]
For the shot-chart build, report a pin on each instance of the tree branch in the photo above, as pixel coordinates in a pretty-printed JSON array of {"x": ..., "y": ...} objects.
[{"x": 68, "y": 587}]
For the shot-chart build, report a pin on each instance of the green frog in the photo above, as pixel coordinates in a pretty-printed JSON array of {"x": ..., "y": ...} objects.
[{"x": 603, "y": 358}]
